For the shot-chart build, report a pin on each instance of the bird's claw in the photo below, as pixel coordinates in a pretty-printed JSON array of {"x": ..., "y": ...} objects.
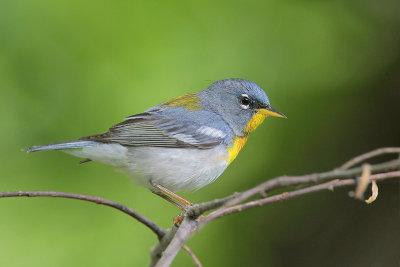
[{"x": 179, "y": 218}]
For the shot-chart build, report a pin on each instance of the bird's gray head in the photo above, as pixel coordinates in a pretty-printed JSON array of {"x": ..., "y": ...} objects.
[{"x": 241, "y": 103}]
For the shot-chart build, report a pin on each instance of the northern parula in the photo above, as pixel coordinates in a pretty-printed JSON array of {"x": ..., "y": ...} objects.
[{"x": 182, "y": 144}]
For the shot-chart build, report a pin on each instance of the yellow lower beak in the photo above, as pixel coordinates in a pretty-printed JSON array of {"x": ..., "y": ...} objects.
[{"x": 270, "y": 111}]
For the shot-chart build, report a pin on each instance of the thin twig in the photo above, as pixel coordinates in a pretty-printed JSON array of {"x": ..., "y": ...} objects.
[
  {"x": 368, "y": 155},
  {"x": 285, "y": 181},
  {"x": 193, "y": 256},
  {"x": 160, "y": 232},
  {"x": 329, "y": 185}
]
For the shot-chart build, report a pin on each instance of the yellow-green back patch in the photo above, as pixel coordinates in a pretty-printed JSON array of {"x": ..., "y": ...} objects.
[{"x": 189, "y": 101}]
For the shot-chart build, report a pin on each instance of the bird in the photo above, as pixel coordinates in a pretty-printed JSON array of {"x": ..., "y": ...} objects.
[{"x": 182, "y": 144}]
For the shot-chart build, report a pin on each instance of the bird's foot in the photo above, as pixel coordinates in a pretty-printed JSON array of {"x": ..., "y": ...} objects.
[{"x": 179, "y": 218}]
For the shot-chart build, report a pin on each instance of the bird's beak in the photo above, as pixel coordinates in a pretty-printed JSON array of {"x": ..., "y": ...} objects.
[{"x": 270, "y": 111}]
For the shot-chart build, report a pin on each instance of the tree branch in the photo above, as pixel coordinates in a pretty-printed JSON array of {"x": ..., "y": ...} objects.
[
  {"x": 171, "y": 241},
  {"x": 287, "y": 195},
  {"x": 371, "y": 154},
  {"x": 191, "y": 254},
  {"x": 285, "y": 181},
  {"x": 157, "y": 251},
  {"x": 185, "y": 230},
  {"x": 227, "y": 205},
  {"x": 160, "y": 232}
]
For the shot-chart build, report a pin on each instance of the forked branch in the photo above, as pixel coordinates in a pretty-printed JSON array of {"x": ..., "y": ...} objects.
[{"x": 171, "y": 241}]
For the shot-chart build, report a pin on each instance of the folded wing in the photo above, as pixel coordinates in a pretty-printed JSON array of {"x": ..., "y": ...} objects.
[{"x": 149, "y": 129}]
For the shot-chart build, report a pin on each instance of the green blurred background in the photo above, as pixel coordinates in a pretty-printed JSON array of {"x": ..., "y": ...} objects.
[{"x": 73, "y": 68}]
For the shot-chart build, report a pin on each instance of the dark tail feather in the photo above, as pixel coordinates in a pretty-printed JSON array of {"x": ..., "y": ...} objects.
[{"x": 64, "y": 145}]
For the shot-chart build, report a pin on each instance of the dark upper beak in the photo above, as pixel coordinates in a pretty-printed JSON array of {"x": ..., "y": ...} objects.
[{"x": 270, "y": 111}]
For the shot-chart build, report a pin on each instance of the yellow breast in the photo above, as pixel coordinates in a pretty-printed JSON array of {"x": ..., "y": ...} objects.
[{"x": 233, "y": 151}]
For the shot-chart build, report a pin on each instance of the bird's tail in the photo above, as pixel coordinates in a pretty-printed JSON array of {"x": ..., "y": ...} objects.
[{"x": 64, "y": 145}]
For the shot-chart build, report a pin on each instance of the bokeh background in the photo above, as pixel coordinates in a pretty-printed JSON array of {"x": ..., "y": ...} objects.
[{"x": 73, "y": 68}]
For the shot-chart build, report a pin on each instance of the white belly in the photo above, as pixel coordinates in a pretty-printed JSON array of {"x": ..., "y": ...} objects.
[{"x": 175, "y": 169}]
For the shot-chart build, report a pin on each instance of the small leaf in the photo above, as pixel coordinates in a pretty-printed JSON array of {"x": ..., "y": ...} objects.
[{"x": 374, "y": 193}]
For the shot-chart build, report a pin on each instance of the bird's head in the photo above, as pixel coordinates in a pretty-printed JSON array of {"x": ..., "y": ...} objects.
[{"x": 241, "y": 103}]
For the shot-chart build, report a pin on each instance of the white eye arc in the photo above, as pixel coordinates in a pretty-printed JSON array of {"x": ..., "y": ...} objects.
[{"x": 245, "y": 101}]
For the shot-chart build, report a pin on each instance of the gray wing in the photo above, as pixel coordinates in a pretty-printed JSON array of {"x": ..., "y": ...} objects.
[{"x": 147, "y": 129}]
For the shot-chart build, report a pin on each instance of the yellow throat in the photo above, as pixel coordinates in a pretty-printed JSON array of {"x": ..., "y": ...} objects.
[
  {"x": 255, "y": 121},
  {"x": 238, "y": 142}
]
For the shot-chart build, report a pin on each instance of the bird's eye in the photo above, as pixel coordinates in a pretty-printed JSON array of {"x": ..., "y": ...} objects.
[{"x": 245, "y": 101}]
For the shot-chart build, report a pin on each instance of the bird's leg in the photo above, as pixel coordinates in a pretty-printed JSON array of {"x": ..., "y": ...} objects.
[
  {"x": 173, "y": 195},
  {"x": 173, "y": 198},
  {"x": 170, "y": 200}
]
